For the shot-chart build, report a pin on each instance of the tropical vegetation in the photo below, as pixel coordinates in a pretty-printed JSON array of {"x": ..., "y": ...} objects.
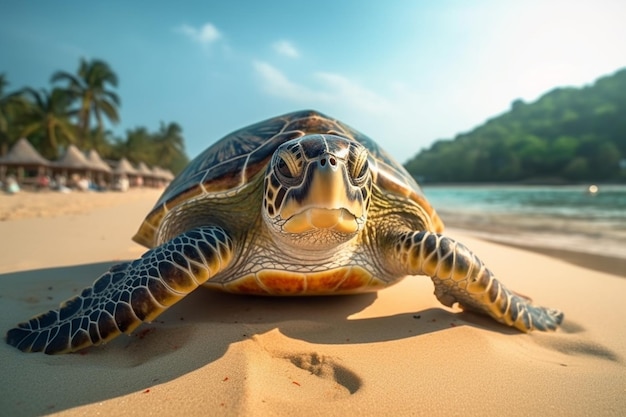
[
  {"x": 567, "y": 135},
  {"x": 77, "y": 110}
]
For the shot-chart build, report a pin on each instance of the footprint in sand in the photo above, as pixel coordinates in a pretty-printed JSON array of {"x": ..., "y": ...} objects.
[
  {"x": 298, "y": 376},
  {"x": 328, "y": 369}
]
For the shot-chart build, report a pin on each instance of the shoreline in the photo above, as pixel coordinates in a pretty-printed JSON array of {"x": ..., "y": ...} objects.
[
  {"x": 581, "y": 243},
  {"x": 613, "y": 265},
  {"x": 576, "y": 246}
]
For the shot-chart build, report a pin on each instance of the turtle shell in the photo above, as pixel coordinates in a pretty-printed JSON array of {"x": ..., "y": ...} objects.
[{"x": 234, "y": 160}]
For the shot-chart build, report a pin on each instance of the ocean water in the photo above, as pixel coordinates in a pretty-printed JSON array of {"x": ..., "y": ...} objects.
[{"x": 566, "y": 217}]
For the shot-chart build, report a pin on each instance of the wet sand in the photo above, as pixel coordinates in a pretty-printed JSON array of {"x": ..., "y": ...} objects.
[{"x": 586, "y": 243}]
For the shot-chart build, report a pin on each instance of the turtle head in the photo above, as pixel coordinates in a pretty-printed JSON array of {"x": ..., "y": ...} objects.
[{"x": 317, "y": 191}]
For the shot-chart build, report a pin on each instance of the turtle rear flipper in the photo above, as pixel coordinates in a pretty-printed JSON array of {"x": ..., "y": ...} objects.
[
  {"x": 460, "y": 276},
  {"x": 128, "y": 294}
]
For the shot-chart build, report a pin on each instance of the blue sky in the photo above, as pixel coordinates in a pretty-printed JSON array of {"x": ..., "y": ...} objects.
[{"x": 404, "y": 72}]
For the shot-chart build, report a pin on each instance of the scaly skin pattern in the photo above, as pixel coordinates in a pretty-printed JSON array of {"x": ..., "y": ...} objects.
[
  {"x": 460, "y": 276},
  {"x": 128, "y": 294},
  {"x": 323, "y": 218}
]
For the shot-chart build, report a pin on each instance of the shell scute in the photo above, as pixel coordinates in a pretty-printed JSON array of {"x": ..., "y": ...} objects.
[{"x": 234, "y": 160}]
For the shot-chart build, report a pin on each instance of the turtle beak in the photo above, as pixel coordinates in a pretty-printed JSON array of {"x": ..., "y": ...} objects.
[
  {"x": 328, "y": 185},
  {"x": 331, "y": 201}
]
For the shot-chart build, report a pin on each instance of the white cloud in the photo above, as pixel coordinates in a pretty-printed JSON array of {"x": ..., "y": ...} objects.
[
  {"x": 394, "y": 118},
  {"x": 352, "y": 93},
  {"x": 277, "y": 84},
  {"x": 204, "y": 35},
  {"x": 331, "y": 89},
  {"x": 286, "y": 48}
]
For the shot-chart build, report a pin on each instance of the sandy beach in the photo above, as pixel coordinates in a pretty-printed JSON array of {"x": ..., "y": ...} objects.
[{"x": 398, "y": 352}]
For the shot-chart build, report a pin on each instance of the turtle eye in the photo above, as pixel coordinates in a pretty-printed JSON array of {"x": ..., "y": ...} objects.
[
  {"x": 283, "y": 168},
  {"x": 287, "y": 166},
  {"x": 359, "y": 165}
]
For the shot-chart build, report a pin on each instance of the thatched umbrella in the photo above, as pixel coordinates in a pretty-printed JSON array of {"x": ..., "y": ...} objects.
[
  {"x": 124, "y": 167},
  {"x": 100, "y": 167},
  {"x": 163, "y": 176},
  {"x": 169, "y": 175},
  {"x": 96, "y": 161},
  {"x": 125, "y": 174},
  {"x": 73, "y": 159},
  {"x": 73, "y": 162},
  {"x": 146, "y": 174},
  {"x": 24, "y": 159}
]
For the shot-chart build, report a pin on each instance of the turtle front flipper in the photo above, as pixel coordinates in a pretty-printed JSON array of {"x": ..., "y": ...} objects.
[
  {"x": 460, "y": 276},
  {"x": 128, "y": 294}
]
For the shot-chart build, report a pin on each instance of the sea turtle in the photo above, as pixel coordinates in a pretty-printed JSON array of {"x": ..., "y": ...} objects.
[{"x": 300, "y": 204}]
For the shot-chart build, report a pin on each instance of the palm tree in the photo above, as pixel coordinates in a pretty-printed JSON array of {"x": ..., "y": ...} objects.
[
  {"x": 90, "y": 86},
  {"x": 138, "y": 146},
  {"x": 102, "y": 141},
  {"x": 10, "y": 107},
  {"x": 169, "y": 141},
  {"x": 170, "y": 147},
  {"x": 48, "y": 116},
  {"x": 164, "y": 148},
  {"x": 4, "y": 110}
]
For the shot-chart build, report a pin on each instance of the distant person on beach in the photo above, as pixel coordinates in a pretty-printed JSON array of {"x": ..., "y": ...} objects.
[
  {"x": 12, "y": 186},
  {"x": 60, "y": 181},
  {"x": 61, "y": 184},
  {"x": 102, "y": 185},
  {"x": 122, "y": 184},
  {"x": 43, "y": 182},
  {"x": 82, "y": 184}
]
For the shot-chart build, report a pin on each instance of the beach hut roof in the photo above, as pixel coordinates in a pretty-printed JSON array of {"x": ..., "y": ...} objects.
[
  {"x": 23, "y": 153},
  {"x": 157, "y": 172},
  {"x": 124, "y": 167},
  {"x": 161, "y": 173},
  {"x": 169, "y": 175},
  {"x": 73, "y": 159},
  {"x": 96, "y": 161},
  {"x": 143, "y": 169}
]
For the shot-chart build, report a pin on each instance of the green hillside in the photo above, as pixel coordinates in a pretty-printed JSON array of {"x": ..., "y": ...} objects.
[{"x": 569, "y": 134}]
